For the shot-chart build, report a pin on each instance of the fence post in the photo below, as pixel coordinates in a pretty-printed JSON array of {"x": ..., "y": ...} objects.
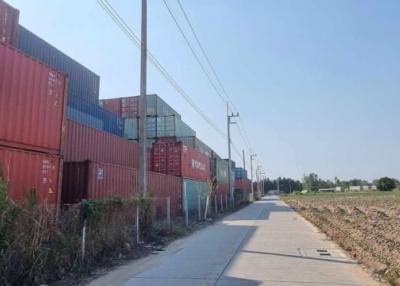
[
  {"x": 169, "y": 212},
  {"x": 83, "y": 240},
  {"x": 137, "y": 225},
  {"x": 207, "y": 204},
  {"x": 226, "y": 201},
  {"x": 222, "y": 204},
  {"x": 186, "y": 207},
  {"x": 216, "y": 204},
  {"x": 199, "y": 205}
]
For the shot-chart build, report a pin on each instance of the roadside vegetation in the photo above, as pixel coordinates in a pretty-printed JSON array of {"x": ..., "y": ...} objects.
[
  {"x": 365, "y": 224},
  {"x": 39, "y": 247}
]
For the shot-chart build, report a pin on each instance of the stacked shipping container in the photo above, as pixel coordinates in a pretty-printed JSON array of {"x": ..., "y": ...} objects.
[
  {"x": 94, "y": 180},
  {"x": 129, "y": 107},
  {"x": 162, "y": 119},
  {"x": 99, "y": 163},
  {"x": 32, "y": 107},
  {"x": 8, "y": 23},
  {"x": 85, "y": 143},
  {"x": 175, "y": 158},
  {"x": 82, "y": 83}
]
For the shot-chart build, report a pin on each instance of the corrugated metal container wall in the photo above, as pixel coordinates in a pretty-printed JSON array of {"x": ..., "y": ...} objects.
[
  {"x": 74, "y": 182},
  {"x": 84, "y": 118},
  {"x": 175, "y": 158},
  {"x": 222, "y": 188},
  {"x": 196, "y": 143},
  {"x": 26, "y": 170},
  {"x": 243, "y": 184},
  {"x": 110, "y": 122},
  {"x": 172, "y": 126},
  {"x": 8, "y": 23},
  {"x": 193, "y": 190},
  {"x": 86, "y": 143},
  {"x": 194, "y": 164},
  {"x": 163, "y": 186},
  {"x": 32, "y": 102},
  {"x": 128, "y": 107},
  {"x": 221, "y": 170},
  {"x": 157, "y": 127},
  {"x": 82, "y": 83},
  {"x": 93, "y": 180},
  {"x": 107, "y": 180},
  {"x": 240, "y": 173}
]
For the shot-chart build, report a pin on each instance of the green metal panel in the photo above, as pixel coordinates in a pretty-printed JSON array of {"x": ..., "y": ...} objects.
[{"x": 194, "y": 189}]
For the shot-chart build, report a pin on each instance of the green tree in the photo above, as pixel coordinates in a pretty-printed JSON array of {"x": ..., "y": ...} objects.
[
  {"x": 386, "y": 184},
  {"x": 311, "y": 182}
]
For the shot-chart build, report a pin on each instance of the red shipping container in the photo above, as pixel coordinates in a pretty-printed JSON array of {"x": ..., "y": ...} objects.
[
  {"x": 162, "y": 186},
  {"x": 113, "y": 105},
  {"x": 93, "y": 180},
  {"x": 222, "y": 188},
  {"x": 8, "y": 23},
  {"x": 125, "y": 107},
  {"x": 32, "y": 103},
  {"x": 243, "y": 184},
  {"x": 85, "y": 143},
  {"x": 175, "y": 158},
  {"x": 27, "y": 170}
]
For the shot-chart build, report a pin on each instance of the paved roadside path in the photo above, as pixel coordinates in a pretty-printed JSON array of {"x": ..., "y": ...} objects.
[{"x": 265, "y": 243}]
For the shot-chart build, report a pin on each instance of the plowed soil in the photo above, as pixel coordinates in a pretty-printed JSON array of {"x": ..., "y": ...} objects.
[{"x": 366, "y": 225}]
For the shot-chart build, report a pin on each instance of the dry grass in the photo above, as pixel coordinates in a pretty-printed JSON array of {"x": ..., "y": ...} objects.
[{"x": 367, "y": 225}]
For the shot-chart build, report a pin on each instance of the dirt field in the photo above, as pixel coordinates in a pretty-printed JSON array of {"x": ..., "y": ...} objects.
[{"x": 367, "y": 225}]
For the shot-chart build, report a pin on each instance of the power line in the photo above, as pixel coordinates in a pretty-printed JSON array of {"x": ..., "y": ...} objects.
[
  {"x": 243, "y": 134},
  {"x": 132, "y": 36},
  {"x": 193, "y": 51}
]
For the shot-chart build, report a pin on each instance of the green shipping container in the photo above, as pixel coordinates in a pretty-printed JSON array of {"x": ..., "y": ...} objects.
[{"x": 194, "y": 190}]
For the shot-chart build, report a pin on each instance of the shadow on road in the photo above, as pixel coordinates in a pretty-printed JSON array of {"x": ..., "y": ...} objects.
[
  {"x": 264, "y": 208},
  {"x": 299, "y": 257},
  {"x": 232, "y": 281}
]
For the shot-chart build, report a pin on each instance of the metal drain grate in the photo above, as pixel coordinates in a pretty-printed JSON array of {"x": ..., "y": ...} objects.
[{"x": 323, "y": 252}]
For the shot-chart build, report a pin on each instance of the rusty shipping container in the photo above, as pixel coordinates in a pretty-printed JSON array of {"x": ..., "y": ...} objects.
[
  {"x": 8, "y": 23},
  {"x": 175, "y": 158},
  {"x": 32, "y": 103},
  {"x": 162, "y": 186},
  {"x": 94, "y": 180},
  {"x": 128, "y": 107},
  {"x": 26, "y": 170},
  {"x": 222, "y": 188},
  {"x": 85, "y": 143},
  {"x": 243, "y": 184}
]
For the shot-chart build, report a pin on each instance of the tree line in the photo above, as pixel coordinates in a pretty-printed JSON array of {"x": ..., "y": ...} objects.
[{"x": 313, "y": 183}]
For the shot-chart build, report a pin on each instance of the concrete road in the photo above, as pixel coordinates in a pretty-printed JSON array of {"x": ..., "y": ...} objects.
[{"x": 265, "y": 243}]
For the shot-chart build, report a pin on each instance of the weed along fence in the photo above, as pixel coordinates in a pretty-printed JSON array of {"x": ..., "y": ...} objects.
[{"x": 93, "y": 180}]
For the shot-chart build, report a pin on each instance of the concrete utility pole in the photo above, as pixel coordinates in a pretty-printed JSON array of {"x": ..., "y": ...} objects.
[
  {"x": 251, "y": 175},
  {"x": 244, "y": 161},
  {"x": 143, "y": 104},
  {"x": 278, "y": 185},
  {"x": 262, "y": 178},
  {"x": 229, "y": 121}
]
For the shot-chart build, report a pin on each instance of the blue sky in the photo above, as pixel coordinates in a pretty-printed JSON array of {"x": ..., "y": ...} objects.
[{"x": 317, "y": 83}]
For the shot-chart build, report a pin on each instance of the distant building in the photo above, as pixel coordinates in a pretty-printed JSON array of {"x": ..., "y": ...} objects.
[{"x": 327, "y": 190}]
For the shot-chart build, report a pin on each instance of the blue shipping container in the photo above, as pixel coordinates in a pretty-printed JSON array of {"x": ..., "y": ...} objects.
[
  {"x": 240, "y": 173},
  {"x": 82, "y": 82},
  {"x": 82, "y": 110},
  {"x": 194, "y": 190}
]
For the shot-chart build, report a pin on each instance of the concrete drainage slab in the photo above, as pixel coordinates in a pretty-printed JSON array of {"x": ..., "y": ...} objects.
[{"x": 327, "y": 253}]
